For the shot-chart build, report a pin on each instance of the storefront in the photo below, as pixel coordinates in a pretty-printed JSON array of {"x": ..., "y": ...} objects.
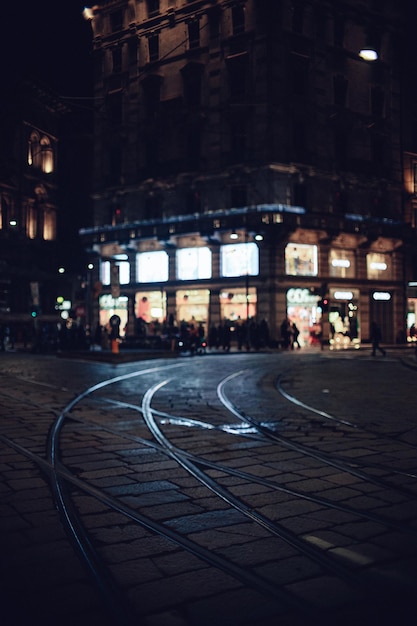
[
  {"x": 344, "y": 329},
  {"x": 303, "y": 311}
]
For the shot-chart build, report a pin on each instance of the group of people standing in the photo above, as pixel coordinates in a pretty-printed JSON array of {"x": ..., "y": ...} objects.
[{"x": 290, "y": 335}]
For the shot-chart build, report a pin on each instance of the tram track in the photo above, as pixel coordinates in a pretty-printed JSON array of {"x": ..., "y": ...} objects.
[{"x": 64, "y": 480}]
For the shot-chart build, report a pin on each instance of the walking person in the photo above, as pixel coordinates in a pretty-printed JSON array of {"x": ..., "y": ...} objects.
[{"x": 376, "y": 336}]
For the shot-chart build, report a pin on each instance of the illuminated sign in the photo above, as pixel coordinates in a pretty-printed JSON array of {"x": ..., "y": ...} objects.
[
  {"x": 381, "y": 295},
  {"x": 378, "y": 266},
  {"x": 343, "y": 295},
  {"x": 340, "y": 263}
]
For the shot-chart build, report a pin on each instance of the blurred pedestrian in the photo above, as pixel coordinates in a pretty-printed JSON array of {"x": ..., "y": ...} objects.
[{"x": 376, "y": 336}]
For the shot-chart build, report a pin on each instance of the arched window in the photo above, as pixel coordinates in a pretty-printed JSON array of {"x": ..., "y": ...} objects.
[
  {"x": 47, "y": 154},
  {"x": 49, "y": 225},
  {"x": 40, "y": 153},
  {"x": 34, "y": 151}
]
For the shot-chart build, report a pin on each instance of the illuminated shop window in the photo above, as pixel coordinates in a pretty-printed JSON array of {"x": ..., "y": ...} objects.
[
  {"x": 301, "y": 259},
  {"x": 152, "y": 267},
  {"x": 240, "y": 259},
  {"x": 150, "y": 305},
  {"x": 105, "y": 272},
  {"x": 124, "y": 272},
  {"x": 342, "y": 263},
  {"x": 377, "y": 266},
  {"x": 193, "y": 263}
]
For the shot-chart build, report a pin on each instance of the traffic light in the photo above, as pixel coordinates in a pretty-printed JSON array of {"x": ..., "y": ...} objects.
[
  {"x": 34, "y": 311},
  {"x": 324, "y": 305}
]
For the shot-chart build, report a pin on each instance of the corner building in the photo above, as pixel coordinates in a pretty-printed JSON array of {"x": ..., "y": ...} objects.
[{"x": 247, "y": 165}]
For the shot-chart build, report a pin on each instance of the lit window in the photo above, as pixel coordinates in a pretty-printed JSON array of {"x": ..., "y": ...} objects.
[
  {"x": 34, "y": 150},
  {"x": 124, "y": 272},
  {"x": 152, "y": 267},
  {"x": 47, "y": 156},
  {"x": 377, "y": 266},
  {"x": 31, "y": 222},
  {"x": 193, "y": 263},
  {"x": 342, "y": 263},
  {"x": 105, "y": 272},
  {"x": 241, "y": 259},
  {"x": 301, "y": 259},
  {"x": 49, "y": 225}
]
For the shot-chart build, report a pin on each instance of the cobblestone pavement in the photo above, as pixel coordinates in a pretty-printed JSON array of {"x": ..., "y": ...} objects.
[{"x": 348, "y": 404}]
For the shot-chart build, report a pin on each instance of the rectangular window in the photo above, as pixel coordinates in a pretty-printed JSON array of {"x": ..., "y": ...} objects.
[
  {"x": 153, "y": 7},
  {"x": 124, "y": 272},
  {"x": 153, "y": 46},
  {"x": 241, "y": 259},
  {"x": 49, "y": 225},
  {"x": 301, "y": 259},
  {"x": 238, "y": 19},
  {"x": 31, "y": 222},
  {"x": 105, "y": 272},
  {"x": 193, "y": 263},
  {"x": 342, "y": 263},
  {"x": 378, "y": 266},
  {"x": 116, "y": 21},
  {"x": 152, "y": 267},
  {"x": 194, "y": 34}
]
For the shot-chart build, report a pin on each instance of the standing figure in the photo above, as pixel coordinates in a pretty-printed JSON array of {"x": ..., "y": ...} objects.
[{"x": 376, "y": 336}]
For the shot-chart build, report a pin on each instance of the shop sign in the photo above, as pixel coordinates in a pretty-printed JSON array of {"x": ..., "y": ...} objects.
[
  {"x": 297, "y": 295},
  {"x": 343, "y": 295},
  {"x": 381, "y": 295}
]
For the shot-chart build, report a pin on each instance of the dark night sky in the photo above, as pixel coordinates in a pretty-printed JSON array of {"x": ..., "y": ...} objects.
[{"x": 49, "y": 41}]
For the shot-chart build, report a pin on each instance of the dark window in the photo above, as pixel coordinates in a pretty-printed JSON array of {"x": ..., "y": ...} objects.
[
  {"x": 152, "y": 207},
  {"x": 340, "y": 87},
  {"x": 300, "y": 194},
  {"x": 193, "y": 149},
  {"x": 153, "y": 7},
  {"x": 340, "y": 148},
  {"x": 114, "y": 108},
  {"x": 299, "y": 140},
  {"x": 133, "y": 50},
  {"x": 340, "y": 201},
  {"x": 153, "y": 45},
  {"x": 238, "y": 138},
  {"x": 116, "y": 21},
  {"x": 299, "y": 76},
  {"x": 151, "y": 95},
  {"x": 192, "y": 80},
  {"x": 238, "y": 196},
  {"x": 152, "y": 154},
  {"x": 192, "y": 202},
  {"x": 378, "y": 153},
  {"x": 339, "y": 31},
  {"x": 377, "y": 102},
  {"x": 298, "y": 16},
  {"x": 115, "y": 165},
  {"x": 237, "y": 67},
  {"x": 194, "y": 34},
  {"x": 117, "y": 60},
  {"x": 238, "y": 19}
]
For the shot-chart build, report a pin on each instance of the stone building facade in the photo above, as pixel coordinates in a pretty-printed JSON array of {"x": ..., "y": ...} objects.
[{"x": 248, "y": 166}]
